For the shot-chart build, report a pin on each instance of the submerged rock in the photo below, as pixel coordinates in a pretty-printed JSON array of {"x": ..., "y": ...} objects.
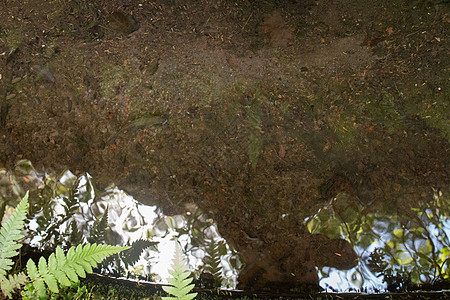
[{"x": 123, "y": 23}]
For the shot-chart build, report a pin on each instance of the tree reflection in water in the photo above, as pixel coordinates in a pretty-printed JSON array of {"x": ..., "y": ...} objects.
[{"x": 396, "y": 251}]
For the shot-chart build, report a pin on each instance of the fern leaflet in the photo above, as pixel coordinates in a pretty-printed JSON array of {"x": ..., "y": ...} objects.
[
  {"x": 10, "y": 234},
  {"x": 180, "y": 282},
  {"x": 213, "y": 263},
  {"x": 62, "y": 270},
  {"x": 132, "y": 255},
  {"x": 11, "y": 283},
  {"x": 98, "y": 230}
]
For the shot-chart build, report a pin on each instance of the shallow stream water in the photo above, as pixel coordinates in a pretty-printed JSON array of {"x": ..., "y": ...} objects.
[
  {"x": 287, "y": 144},
  {"x": 394, "y": 251}
]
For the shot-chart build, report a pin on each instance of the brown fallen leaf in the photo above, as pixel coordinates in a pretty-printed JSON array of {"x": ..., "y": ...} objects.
[
  {"x": 389, "y": 30},
  {"x": 282, "y": 151}
]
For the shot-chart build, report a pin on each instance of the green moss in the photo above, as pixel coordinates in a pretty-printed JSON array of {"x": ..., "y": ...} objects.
[
  {"x": 12, "y": 38},
  {"x": 112, "y": 76},
  {"x": 343, "y": 126}
]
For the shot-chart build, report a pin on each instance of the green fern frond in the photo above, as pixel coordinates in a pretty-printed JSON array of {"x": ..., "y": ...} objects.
[
  {"x": 11, "y": 283},
  {"x": 180, "y": 280},
  {"x": 10, "y": 234},
  {"x": 62, "y": 270}
]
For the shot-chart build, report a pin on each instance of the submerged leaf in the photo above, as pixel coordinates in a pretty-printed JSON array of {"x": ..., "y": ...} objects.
[{"x": 254, "y": 133}]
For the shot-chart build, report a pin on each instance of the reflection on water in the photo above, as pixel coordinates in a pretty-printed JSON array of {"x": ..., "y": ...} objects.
[
  {"x": 68, "y": 210},
  {"x": 395, "y": 251}
]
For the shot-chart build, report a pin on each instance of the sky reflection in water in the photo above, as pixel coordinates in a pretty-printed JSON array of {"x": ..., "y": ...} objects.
[{"x": 389, "y": 246}]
